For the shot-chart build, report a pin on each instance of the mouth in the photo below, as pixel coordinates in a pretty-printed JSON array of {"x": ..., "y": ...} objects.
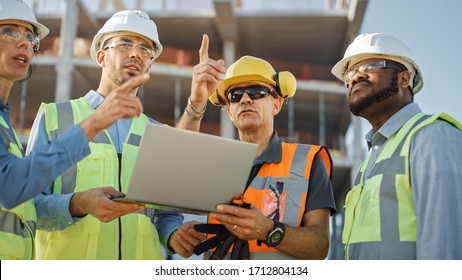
[
  {"x": 244, "y": 112},
  {"x": 359, "y": 85},
  {"x": 22, "y": 59},
  {"x": 134, "y": 68}
]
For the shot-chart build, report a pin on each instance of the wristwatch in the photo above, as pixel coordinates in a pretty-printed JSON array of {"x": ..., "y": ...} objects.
[{"x": 276, "y": 235}]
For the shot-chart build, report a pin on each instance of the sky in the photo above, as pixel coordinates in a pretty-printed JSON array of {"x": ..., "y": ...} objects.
[{"x": 432, "y": 30}]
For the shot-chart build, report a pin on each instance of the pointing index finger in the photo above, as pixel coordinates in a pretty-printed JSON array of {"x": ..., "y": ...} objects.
[
  {"x": 204, "y": 50},
  {"x": 133, "y": 83}
]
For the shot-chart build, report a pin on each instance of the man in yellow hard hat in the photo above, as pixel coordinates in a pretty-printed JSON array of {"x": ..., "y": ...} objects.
[
  {"x": 406, "y": 199},
  {"x": 76, "y": 217},
  {"x": 289, "y": 189}
]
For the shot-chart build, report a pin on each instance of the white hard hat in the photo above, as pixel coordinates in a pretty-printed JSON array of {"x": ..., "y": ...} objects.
[
  {"x": 379, "y": 45},
  {"x": 137, "y": 22},
  {"x": 18, "y": 10}
]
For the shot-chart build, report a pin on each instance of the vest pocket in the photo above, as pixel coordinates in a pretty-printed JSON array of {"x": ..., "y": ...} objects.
[
  {"x": 146, "y": 239},
  {"x": 13, "y": 247},
  {"x": 362, "y": 221},
  {"x": 351, "y": 201},
  {"x": 77, "y": 242},
  {"x": 96, "y": 170}
]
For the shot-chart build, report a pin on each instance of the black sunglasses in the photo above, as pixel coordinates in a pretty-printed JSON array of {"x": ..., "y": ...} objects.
[{"x": 254, "y": 92}]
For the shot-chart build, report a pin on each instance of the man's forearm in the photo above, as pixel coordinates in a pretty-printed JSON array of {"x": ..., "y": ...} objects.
[{"x": 305, "y": 243}]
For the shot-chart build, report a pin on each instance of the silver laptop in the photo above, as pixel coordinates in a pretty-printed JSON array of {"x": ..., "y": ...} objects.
[{"x": 185, "y": 171}]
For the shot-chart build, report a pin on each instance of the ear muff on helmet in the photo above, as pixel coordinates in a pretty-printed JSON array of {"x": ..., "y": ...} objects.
[
  {"x": 216, "y": 100},
  {"x": 286, "y": 84}
]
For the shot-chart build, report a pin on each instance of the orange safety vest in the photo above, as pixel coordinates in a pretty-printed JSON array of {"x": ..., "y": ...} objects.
[{"x": 280, "y": 189}]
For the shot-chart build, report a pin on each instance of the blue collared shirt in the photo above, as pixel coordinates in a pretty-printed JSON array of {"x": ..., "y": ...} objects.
[
  {"x": 23, "y": 178},
  {"x": 436, "y": 181},
  {"x": 53, "y": 209}
]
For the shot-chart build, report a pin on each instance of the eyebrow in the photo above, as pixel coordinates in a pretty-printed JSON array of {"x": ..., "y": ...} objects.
[{"x": 131, "y": 41}]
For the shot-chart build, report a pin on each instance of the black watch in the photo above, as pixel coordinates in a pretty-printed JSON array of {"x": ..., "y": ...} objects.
[{"x": 276, "y": 235}]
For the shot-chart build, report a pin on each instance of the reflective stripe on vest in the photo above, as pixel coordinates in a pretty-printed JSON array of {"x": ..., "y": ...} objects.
[
  {"x": 17, "y": 225},
  {"x": 380, "y": 221},
  {"x": 10, "y": 222},
  {"x": 280, "y": 189},
  {"x": 89, "y": 238},
  {"x": 65, "y": 121}
]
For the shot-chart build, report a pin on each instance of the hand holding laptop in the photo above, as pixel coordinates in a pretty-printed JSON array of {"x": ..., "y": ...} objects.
[{"x": 98, "y": 203}]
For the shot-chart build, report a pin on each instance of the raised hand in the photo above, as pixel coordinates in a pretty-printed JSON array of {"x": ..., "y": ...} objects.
[
  {"x": 119, "y": 104},
  {"x": 206, "y": 75}
]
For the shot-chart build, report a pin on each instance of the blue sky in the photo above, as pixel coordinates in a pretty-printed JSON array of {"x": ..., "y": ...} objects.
[{"x": 432, "y": 30}]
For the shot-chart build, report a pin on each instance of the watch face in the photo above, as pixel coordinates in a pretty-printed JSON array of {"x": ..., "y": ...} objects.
[{"x": 276, "y": 237}]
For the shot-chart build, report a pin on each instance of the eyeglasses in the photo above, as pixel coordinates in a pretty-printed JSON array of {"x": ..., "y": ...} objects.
[
  {"x": 125, "y": 46},
  {"x": 254, "y": 92},
  {"x": 366, "y": 68},
  {"x": 12, "y": 35}
]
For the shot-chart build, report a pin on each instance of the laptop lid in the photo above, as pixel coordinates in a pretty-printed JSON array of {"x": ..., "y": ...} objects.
[{"x": 186, "y": 171}]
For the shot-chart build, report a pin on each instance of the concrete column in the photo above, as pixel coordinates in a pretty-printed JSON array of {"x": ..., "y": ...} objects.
[
  {"x": 22, "y": 106},
  {"x": 322, "y": 119},
  {"x": 291, "y": 119},
  {"x": 227, "y": 127},
  {"x": 177, "y": 100},
  {"x": 358, "y": 140},
  {"x": 65, "y": 66}
]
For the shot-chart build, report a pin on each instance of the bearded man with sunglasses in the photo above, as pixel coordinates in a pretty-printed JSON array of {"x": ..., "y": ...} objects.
[
  {"x": 406, "y": 198},
  {"x": 289, "y": 189},
  {"x": 76, "y": 217}
]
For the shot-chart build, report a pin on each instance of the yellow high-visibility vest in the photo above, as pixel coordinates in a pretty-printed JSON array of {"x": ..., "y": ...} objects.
[
  {"x": 380, "y": 221},
  {"x": 132, "y": 236},
  {"x": 17, "y": 225}
]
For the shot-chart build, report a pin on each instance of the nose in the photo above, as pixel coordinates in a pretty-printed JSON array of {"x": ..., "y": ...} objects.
[
  {"x": 245, "y": 99},
  {"x": 358, "y": 75},
  {"x": 135, "y": 51},
  {"x": 24, "y": 42}
]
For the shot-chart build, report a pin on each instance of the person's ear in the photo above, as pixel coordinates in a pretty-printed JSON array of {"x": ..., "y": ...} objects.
[
  {"x": 277, "y": 105},
  {"x": 230, "y": 115},
  {"x": 100, "y": 56},
  {"x": 405, "y": 78}
]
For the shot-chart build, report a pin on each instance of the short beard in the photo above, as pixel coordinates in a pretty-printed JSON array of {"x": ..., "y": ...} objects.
[{"x": 376, "y": 97}]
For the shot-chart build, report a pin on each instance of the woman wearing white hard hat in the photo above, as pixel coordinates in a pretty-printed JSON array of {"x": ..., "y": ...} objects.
[
  {"x": 20, "y": 34},
  {"x": 22, "y": 178}
]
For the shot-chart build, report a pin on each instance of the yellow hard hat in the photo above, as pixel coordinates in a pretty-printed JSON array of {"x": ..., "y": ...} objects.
[{"x": 250, "y": 69}]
